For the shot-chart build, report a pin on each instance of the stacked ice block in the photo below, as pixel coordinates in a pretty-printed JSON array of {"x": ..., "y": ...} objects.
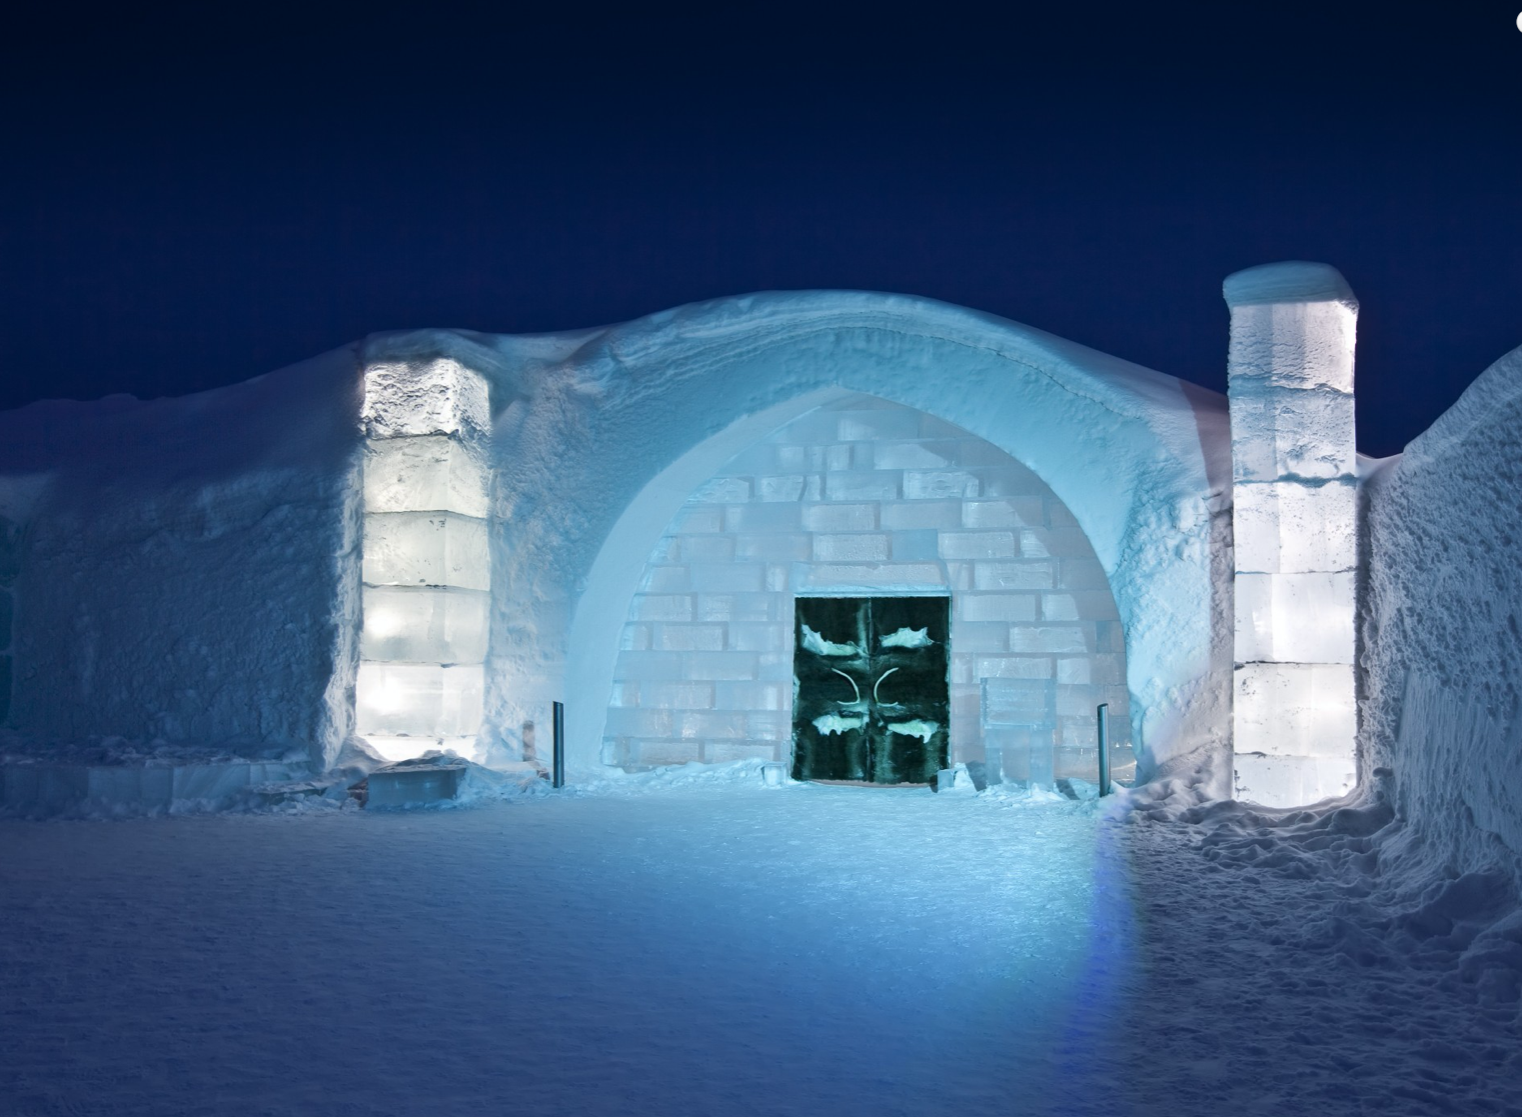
[
  {"x": 426, "y": 568},
  {"x": 1295, "y": 516}
]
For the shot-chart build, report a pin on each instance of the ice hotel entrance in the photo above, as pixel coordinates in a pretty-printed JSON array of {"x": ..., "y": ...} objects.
[{"x": 870, "y": 593}]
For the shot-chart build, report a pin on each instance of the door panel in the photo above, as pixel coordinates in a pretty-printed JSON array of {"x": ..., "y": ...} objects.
[{"x": 870, "y": 696}]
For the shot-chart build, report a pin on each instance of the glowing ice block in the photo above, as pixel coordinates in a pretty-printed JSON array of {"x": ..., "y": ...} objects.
[
  {"x": 1293, "y": 528},
  {"x": 433, "y": 473},
  {"x": 424, "y": 624},
  {"x": 1295, "y": 618},
  {"x": 1295, "y": 709},
  {"x": 426, "y": 549},
  {"x": 1291, "y": 434},
  {"x": 415, "y": 699},
  {"x": 438, "y": 396}
]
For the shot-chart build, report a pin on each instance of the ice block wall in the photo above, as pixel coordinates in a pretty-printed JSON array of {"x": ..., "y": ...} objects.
[
  {"x": 426, "y": 570},
  {"x": 1295, "y": 502}
]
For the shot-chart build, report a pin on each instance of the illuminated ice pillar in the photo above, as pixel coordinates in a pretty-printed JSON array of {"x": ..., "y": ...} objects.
[
  {"x": 1294, "y": 514},
  {"x": 426, "y": 570}
]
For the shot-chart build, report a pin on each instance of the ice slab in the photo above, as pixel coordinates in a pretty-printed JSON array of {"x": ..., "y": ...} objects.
[
  {"x": 1295, "y": 709},
  {"x": 440, "y": 396},
  {"x": 1295, "y": 618},
  {"x": 431, "y": 473},
  {"x": 424, "y": 624},
  {"x": 1291, "y": 528},
  {"x": 421, "y": 700},
  {"x": 1278, "y": 433},
  {"x": 426, "y": 548}
]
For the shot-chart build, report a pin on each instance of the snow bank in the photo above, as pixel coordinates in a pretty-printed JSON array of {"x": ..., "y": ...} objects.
[
  {"x": 1442, "y": 628},
  {"x": 188, "y": 571}
]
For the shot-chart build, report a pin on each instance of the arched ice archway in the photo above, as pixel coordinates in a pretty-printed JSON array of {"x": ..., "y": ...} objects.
[
  {"x": 865, "y": 499},
  {"x": 608, "y": 432}
]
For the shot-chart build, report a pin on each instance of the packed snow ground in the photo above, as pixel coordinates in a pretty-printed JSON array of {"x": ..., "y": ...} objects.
[{"x": 687, "y": 944}]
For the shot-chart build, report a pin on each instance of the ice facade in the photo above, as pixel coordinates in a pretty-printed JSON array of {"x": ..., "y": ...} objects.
[
  {"x": 1295, "y": 501},
  {"x": 422, "y": 540},
  {"x": 865, "y": 497}
]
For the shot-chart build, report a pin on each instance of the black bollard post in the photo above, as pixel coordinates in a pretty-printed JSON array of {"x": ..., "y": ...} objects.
[
  {"x": 1104, "y": 747},
  {"x": 558, "y": 779}
]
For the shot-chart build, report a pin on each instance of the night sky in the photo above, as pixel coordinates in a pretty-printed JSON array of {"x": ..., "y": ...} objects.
[{"x": 195, "y": 195}]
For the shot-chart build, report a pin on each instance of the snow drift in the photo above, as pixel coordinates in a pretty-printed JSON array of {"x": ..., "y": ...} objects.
[{"x": 1442, "y": 628}]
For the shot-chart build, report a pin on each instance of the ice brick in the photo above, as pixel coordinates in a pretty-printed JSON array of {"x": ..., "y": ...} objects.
[
  {"x": 433, "y": 473},
  {"x": 424, "y": 625},
  {"x": 1293, "y": 528},
  {"x": 1282, "y": 432},
  {"x": 426, "y": 548},
  {"x": 1295, "y": 618},
  {"x": 394, "y": 699},
  {"x": 1295, "y": 709}
]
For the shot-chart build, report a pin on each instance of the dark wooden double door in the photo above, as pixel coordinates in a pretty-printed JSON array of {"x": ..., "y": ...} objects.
[{"x": 870, "y": 701}]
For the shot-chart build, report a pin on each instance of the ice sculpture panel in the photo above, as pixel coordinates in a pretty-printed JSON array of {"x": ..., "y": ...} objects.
[
  {"x": 422, "y": 700},
  {"x": 424, "y": 624},
  {"x": 426, "y": 549},
  {"x": 434, "y": 473}
]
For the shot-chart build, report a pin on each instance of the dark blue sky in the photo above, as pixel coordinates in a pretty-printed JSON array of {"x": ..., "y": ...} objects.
[{"x": 193, "y": 197}]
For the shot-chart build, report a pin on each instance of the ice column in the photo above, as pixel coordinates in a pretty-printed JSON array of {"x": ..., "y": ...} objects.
[
  {"x": 426, "y": 570},
  {"x": 1294, "y": 514}
]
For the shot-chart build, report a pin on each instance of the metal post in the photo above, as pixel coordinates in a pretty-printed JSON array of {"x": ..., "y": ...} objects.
[
  {"x": 558, "y": 779},
  {"x": 1104, "y": 747}
]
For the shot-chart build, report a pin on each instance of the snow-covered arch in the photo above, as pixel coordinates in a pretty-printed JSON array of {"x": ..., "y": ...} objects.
[{"x": 602, "y": 434}]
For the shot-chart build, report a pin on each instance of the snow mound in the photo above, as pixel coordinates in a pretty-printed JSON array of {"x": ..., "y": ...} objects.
[{"x": 1442, "y": 629}]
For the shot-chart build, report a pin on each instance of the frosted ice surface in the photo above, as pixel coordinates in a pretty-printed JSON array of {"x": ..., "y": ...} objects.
[
  {"x": 426, "y": 549},
  {"x": 434, "y": 473},
  {"x": 1299, "y": 345},
  {"x": 1288, "y": 527},
  {"x": 440, "y": 396},
  {"x": 817, "y": 644},
  {"x": 394, "y": 699},
  {"x": 1278, "y": 434},
  {"x": 1022, "y": 702},
  {"x": 1295, "y": 618},
  {"x": 424, "y": 624},
  {"x": 1295, "y": 709}
]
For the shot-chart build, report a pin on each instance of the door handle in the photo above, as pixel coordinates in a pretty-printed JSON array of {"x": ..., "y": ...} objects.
[{"x": 879, "y": 682}]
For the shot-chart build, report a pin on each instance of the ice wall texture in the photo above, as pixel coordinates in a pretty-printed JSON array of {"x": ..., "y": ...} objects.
[
  {"x": 426, "y": 567},
  {"x": 602, "y": 435},
  {"x": 865, "y": 497},
  {"x": 1442, "y": 625},
  {"x": 1294, "y": 510},
  {"x": 187, "y": 569}
]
